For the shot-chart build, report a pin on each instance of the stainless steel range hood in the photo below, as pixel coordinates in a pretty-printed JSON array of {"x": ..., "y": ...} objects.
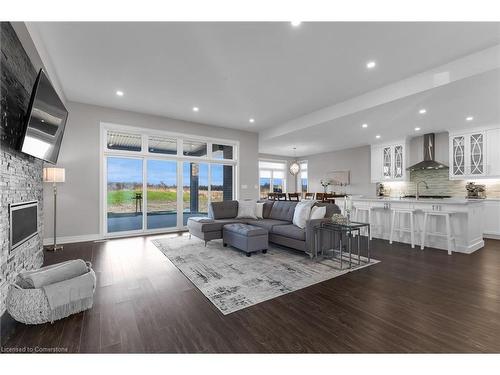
[{"x": 429, "y": 152}]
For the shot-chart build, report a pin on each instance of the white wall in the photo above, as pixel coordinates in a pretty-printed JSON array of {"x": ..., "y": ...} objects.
[
  {"x": 356, "y": 160},
  {"x": 78, "y": 198}
]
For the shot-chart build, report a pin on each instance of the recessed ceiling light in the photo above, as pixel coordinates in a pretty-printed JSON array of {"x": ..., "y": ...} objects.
[
  {"x": 470, "y": 118},
  {"x": 377, "y": 136},
  {"x": 417, "y": 129},
  {"x": 195, "y": 109},
  {"x": 364, "y": 126},
  {"x": 371, "y": 64},
  {"x": 119, "y": 93},
  {"x": 251, "y": 120},
  {"x": 422, "y": 111},
  {"x": 296, "y": 23}
]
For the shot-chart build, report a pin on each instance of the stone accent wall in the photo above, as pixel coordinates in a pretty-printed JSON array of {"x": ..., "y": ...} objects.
[
  {"x": 20, "y": 181},
  {"x": 20, "y": 175},
  {"x": 440, "y": 184}
]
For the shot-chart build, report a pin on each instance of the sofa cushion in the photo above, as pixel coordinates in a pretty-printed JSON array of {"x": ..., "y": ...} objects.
[
  {"x": 203, "y": 224},
  {"x": 283, "y": 210},
  {"x": 290, "y": 231},
  {"x": 245, "y": 229},
  {"x": 246, "y": 209},
  {"x": 330, "y": 208},
  {"x": 266, "y": 211},
  {"x": 223, "y": 210},
  {"x": 267, "y": 224}
]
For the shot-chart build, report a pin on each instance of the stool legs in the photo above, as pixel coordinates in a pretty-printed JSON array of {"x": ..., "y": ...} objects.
[
  {"x": 422, "y": 240},
  {"x": 392, "y": 226},
  {"x": 448, "y": 233},
  {"x": 412, "y": 234}
]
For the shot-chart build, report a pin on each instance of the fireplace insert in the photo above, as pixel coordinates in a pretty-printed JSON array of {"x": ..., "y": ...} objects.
[{"x": 23, "y": 222}]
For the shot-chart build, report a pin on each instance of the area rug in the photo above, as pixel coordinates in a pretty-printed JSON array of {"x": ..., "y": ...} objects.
[{"x": 232, "y": 281}]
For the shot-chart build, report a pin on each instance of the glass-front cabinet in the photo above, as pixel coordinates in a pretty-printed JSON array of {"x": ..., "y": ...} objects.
[
  {"x": 468, "y": 155},
  {"x": 389, "y": 162}
]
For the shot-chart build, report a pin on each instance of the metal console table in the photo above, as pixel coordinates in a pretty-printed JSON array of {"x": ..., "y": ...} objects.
[{"x": 342, "y": 235}]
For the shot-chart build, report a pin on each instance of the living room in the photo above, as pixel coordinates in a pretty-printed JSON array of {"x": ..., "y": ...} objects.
[{"x": 236, "y": 187}]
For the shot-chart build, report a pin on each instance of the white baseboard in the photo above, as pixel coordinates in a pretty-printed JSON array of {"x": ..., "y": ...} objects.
[
  {"x": 72, "y": 239},
  {"x": 492, "y": 235}
]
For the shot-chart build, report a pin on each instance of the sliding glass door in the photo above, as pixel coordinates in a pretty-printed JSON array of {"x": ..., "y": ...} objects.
[
  {"x": 194, "y": 190},
  {"x": 161, "y": 194},
  {"x": 124, "y": 194}
]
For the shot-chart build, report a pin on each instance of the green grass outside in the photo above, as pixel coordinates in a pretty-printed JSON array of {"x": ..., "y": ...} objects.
[{"x": 118, "y": 197}]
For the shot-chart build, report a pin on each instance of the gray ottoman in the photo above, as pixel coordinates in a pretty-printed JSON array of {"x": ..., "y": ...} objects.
[{"x": 247, "y": 238}]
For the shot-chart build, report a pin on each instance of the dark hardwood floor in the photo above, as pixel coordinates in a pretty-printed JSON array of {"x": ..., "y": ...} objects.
[{"x": 413, "y": 301}]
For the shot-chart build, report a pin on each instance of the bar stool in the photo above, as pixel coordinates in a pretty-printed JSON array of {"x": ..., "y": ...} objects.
[
  {"x": 367, "y": 213},
  {"x": 447, "y": 234},
  {"x": 399, "y": 228}
]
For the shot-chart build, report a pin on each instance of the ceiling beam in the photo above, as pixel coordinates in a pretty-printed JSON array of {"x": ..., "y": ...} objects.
[{"x": 464, "y": 67}]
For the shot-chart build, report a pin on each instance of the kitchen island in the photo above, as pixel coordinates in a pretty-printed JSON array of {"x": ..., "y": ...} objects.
[{"x": 467, "y": 220}]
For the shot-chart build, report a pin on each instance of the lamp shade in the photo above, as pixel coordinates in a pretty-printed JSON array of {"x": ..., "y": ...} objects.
[{"x": 54, "y": 174}]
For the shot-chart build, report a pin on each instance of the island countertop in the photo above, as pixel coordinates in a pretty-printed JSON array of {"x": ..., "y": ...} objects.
[{"x": 414, "y": 200}]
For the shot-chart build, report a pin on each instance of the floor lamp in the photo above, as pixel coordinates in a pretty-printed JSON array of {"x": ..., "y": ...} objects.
[{"x": 54, "y": 175}]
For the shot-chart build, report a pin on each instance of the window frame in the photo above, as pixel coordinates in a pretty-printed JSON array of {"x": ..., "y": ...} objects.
[
  {"x": 272, "y": 170},
  {"x": 144, "y": 155}
]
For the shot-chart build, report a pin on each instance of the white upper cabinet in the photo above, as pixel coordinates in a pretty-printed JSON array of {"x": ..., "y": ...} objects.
[
  {"x": 389, "y": 162},
  {"x": 475, "y": 153}
]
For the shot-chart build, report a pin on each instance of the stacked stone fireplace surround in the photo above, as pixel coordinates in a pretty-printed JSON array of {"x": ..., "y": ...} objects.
[{"x": 20, "y": 174}]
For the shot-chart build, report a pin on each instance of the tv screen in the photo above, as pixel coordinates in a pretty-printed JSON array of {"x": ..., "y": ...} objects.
[{"x": 45, "y": 123}]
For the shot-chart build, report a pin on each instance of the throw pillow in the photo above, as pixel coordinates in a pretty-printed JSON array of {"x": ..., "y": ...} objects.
[
  {"x": 318, "y": 213},
  {"x": 259, "y": 210},
  {"x": 246, "y": 210},
  {"x": 301, "y": 213}
]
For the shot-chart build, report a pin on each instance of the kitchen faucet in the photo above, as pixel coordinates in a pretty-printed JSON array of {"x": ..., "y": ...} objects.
[{"x": 418, "y": 184}]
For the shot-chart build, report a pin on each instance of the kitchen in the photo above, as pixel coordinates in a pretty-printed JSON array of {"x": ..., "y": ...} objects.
[{"x": 448, "y": 183}]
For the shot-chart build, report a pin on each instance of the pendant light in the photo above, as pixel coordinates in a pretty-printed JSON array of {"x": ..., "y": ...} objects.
[{"x": 294, "y": 166}]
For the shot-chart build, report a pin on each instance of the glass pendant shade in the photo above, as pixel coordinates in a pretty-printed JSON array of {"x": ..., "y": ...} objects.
[{"x": 294, "y": 168}]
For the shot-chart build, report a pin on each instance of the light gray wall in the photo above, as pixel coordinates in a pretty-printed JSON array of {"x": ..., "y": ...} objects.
[
  {"x": 356, "y": 160},
  {"x": 78, "y": 198}
]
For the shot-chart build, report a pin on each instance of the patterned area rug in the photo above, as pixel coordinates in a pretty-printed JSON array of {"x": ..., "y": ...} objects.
[{"x": 233, "y": 281}]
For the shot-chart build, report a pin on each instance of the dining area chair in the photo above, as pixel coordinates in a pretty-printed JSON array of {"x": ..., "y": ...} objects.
[
  {"x": 309, "y": 196},
  {"x": 294, "y": 197},
  {"x": 281, "y": 196}
]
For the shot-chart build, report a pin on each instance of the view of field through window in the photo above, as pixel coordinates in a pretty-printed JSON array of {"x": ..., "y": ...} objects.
[{"x": 125, "y": 197}]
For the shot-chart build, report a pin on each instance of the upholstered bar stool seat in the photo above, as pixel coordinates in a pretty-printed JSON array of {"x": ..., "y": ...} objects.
[
  {"x": 449, "y": 236},
  {"x": 401, "y": 212}
]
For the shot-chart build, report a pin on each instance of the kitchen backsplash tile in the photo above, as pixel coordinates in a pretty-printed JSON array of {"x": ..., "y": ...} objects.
[{"x": 439, "y": 184}]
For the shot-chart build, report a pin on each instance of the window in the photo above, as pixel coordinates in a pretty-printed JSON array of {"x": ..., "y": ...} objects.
[
  {"x": 272, "y": 177},
  {"x": 194, "y": 148},
  {"x": 149, "y": 184},
  {"x": 302, "y": 177},
  {"x": 222, "y": 152},
  {"x": 124, "y": 141},
  {"x": 162, "y": 145}
]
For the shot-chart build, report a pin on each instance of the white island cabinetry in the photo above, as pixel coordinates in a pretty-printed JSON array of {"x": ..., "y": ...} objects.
[{"x": 467, "y": 220}]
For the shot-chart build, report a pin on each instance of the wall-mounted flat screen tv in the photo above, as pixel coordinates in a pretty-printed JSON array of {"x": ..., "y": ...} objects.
[{"x": 46, "y": 119}]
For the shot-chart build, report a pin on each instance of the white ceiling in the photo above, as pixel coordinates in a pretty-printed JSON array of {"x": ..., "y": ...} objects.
[
  {"x": 447, "y": 107},
  {"x": 272, "y": 72}
]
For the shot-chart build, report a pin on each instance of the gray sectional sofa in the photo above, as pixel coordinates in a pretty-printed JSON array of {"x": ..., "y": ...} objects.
[{"x": 277, "y": 220}]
